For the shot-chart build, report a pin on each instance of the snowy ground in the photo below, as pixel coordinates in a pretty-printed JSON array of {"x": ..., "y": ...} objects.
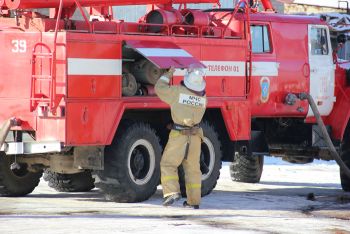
[{"x": 279, "y": 204}]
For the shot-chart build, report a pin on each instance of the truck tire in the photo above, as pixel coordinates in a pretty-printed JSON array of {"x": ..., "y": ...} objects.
[
  {"x": 345, "y": 156},
  {"x": 247, "y": 168},
  {"x": 210, "y": 161},
  {"x": 79, "y": 182},
  {"x": 18, "y": 182},
  {"x": 132, "y": 164}
]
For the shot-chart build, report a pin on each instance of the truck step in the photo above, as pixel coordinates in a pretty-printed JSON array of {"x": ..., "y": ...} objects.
[
  {"x": 46, "y": 55},
  {"x": 42, "y": 77}
]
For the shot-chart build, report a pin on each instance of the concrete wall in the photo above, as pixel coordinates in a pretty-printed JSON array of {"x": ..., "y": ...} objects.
[
  {"x": 129, "y": 13},
  {"x": 299, "y": 8},
  {"x": 133, "y": 13}
]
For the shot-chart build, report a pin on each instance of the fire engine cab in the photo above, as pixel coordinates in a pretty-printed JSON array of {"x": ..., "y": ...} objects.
[{"x": 78, "y": 101}]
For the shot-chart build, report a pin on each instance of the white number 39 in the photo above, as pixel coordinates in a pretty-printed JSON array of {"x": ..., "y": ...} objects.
[{"x": 19, "y": 46}]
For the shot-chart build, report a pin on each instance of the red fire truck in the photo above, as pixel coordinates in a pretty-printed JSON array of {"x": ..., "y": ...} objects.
[{"x": 77, "y": 96}]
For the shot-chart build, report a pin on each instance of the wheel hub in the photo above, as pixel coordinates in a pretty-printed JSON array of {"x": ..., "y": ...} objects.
[
  {"x": 141, "y": 161},
  {"x": 138, "y": 163},
  {"x": 19, "y": 170},
  {"x": 203, "y": 165}
]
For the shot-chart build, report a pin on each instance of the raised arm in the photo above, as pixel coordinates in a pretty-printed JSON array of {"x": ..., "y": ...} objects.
[{"x": 163, "y": 89}]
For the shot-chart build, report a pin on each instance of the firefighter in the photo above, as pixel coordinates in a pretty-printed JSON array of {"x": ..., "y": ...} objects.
[{"x": 187, "y": 104}]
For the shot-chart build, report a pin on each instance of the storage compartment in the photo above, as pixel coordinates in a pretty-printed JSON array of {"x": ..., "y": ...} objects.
[
  {"x": 146, "y": 61},
  {"x": 94, "y": 67},
  {"x": 85, "y": 123}
]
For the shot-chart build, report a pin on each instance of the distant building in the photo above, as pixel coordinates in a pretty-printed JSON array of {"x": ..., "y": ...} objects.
[
  {"x": 133, "y": 13},
  {"x": 316, "y": 6}
]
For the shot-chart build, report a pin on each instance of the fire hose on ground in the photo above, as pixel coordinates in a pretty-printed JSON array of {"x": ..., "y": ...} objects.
[{"x": 325, "y": 134}]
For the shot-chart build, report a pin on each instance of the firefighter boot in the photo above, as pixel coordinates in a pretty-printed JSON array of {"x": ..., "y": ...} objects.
[
  {"x": 186, "y": 205},
  {"x": 169, "y": 200}
]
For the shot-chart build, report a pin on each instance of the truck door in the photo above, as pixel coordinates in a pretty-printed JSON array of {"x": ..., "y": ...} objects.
[
  {"x": 265, "y": 70},
  {"x": 321, "y": 69}
]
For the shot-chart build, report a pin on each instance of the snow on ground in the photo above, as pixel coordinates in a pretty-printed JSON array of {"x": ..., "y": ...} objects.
[{"x": 278, "y": 204}]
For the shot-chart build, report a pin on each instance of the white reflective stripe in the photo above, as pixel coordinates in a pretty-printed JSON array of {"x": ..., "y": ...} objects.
[
  {"x": 265, "y": 69},
  {"x": 84, "y": 66},
  {"x": 219, "y": 68},
  {"x": 236, "y": 68},
  {"x": 225, "y": 68},
  {"x": 161, "y": 52}
]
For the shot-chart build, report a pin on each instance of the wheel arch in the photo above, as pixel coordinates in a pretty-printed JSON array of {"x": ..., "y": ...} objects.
[{"x": 339, "y": 119}]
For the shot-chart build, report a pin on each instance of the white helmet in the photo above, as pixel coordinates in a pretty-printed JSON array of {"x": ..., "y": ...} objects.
[{"x": 193, "y": 80}]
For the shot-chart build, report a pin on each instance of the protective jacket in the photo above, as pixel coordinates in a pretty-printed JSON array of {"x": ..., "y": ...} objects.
[{"x": 183, "y": 147}]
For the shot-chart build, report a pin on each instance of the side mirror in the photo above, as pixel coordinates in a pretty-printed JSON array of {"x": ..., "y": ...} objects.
[{"x": 341, "y": 38}]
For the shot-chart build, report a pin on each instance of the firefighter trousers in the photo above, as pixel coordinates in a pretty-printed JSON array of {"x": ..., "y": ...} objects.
[{"x": 174, "y": 155}]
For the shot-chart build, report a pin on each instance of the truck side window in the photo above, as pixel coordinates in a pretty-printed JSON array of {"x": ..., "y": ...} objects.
[
  {"x": 260, "y": 39},
  {"x": 319, "y": 42}
]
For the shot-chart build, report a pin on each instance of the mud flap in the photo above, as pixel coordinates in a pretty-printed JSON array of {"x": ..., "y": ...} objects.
[
  {"x": 257, "y": 145},
  {"x": 89, "y": 157}
]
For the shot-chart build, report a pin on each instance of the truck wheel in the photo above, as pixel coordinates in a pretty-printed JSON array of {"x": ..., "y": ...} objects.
[
  {"x": 247, "y": 168},
  {"x": 79, "y": 182},
  {"x": 345, "y": 156},
  {"x": 210, "y": 161},
  {"x": 17, "y": 182},
  {"x": 132, "y": 164}
]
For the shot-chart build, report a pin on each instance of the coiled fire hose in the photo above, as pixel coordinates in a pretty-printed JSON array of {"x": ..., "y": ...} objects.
[{"x": 333, "y": 151}]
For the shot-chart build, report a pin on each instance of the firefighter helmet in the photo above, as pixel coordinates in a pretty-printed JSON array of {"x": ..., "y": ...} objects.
[{"x": 193, "y": 80}]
